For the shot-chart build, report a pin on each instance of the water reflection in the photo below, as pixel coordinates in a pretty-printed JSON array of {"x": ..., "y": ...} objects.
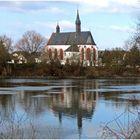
[
  {"x": 7, "y": 107},
  {"x": 78, "y": 100},
  {"x": 74, "y": 103}
]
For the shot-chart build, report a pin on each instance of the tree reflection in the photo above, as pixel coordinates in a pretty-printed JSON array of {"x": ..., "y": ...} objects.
[{"x": 7, "y": 106}]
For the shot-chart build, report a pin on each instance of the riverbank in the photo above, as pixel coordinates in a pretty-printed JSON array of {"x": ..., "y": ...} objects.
[
  {"x": 68, "y": 77},
  {"x": 75, "y": 71}
]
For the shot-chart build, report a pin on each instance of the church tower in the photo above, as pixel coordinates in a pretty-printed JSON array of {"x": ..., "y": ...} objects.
[
  {"x": 57, "y": 28},
  {"x": 78, "y": 23}
]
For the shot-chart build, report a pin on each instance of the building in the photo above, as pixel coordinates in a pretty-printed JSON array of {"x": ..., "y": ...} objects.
[
  {"x": 22, "y": 57},
  {"x": 19, "y": 57},
  {"x": 78, "y": 46}
]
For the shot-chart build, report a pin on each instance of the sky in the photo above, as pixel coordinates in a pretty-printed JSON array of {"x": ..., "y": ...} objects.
[{"x": 111, "y": 22}]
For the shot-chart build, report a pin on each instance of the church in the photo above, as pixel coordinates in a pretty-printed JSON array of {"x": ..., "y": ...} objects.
[{"x": 78, "y": 46}]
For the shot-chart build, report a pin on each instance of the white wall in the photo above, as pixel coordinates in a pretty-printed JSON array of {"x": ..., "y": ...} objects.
[
  {"x": 68, "y": 55},
  {"x": 64, "y": 47}
]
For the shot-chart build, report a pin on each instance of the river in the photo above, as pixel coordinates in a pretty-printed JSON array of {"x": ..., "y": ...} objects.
[{"x": 40, "y": 108}]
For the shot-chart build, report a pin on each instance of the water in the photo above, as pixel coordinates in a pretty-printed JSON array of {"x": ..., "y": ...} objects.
[{"x": 64, "y": 108}]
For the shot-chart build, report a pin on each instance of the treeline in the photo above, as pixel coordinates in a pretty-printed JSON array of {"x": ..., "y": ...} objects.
[{"x": 56, "y": 69}]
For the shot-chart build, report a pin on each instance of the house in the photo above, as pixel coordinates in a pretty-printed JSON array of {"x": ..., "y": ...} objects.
[
  {"x": 21, "y": 57},
  {"x": 73, "y": 46},
  {"x": 18, "y": 57}
]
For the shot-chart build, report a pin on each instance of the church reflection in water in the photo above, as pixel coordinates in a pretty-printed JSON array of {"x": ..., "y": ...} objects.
[
  {"x": 70, "y": 100},
  {"x": 75, "y": 102}
]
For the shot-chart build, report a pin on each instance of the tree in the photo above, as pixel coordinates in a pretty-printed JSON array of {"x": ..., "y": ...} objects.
[
  {"x": 31, "y": 42},
  {"x": 136, "y": 39},
  {"x": 133, "y": 54},
  {"x": 137, "y": 35},
  {"x": 106, "y": 58},
  {"x": 138, "y": 27},
  {"x": 113, "y": 57},
  {"x": 7, "y": 42},
  {"x": 44, "y": 56},
  {"x": 5, "y": 50},
  {"x": 4, "y": 57},
  {"x": 117, "y": 56}
]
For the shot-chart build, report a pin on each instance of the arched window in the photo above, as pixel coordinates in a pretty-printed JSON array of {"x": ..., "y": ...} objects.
[
  {"x": 61, "y": 54},
  {"x": 94, "y": 53},
  {"x": 88, "y": 54},
  {"x": 82, "y": 54},
  {"x": 50, "y": 53},
  {"x": 55, "y": 54}
]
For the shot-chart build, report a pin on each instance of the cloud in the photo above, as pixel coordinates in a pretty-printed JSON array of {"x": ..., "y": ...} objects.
[
  {"x": 45, "y": 25},
  {"x": 30, "y": 6},
  {"x": 86, "y": 6},
  {"x": 64, "y": 25},
  {"x": 122, "y": 28},
  {"x": 123, "y": 6},
  {"x": 105, "y": 3},
  {"x": 128, "y": 2}
]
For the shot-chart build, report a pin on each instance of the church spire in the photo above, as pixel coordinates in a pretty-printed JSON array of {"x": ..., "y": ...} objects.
[
  {"x": 78, "y": 23},
  {"x": 57, "y": 28}
]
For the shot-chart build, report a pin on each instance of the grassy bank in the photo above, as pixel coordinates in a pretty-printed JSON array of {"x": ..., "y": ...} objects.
[{"x": 56, "y": 70}]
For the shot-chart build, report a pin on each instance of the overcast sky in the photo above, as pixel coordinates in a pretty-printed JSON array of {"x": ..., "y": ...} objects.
[{"x": 111, "y": 22}]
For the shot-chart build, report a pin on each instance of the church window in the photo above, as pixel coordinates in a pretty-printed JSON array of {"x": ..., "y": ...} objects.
[
  {"x": 55, "y": 54},
  {"x": 82, "y": 54},
  {"x": 50, "y": 53},
  {"x": 94, "y": 52},
  {"x": 88, "y": 54},
  {"x": 61, "y": 54}
]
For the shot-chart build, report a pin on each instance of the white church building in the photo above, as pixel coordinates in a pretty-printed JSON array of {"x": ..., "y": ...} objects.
[{"x": 78, "y": 46}]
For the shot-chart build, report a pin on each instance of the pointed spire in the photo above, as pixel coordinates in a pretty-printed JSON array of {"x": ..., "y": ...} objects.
[
  {"x": 78, "y": 18},
  {"x": 78, "y": 23},
  {"x": 57, "y": 28}
]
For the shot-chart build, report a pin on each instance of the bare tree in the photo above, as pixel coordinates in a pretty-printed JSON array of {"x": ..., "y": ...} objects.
[
  {"x": 128, "y": 44},
  {"x": 132, "y": 47},
  {"x": 137, "y": 38},
  {"x": 31, "y": 42},
  {"x": 133, "y": 56},
  {"x": 126, "y": 129},
  {"x": 138, "y": 27},
  {"x": 45, "y": 56}
]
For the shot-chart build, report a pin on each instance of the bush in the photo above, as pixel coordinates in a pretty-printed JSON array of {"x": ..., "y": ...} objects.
[
  {"x": 91, "y": 72},
  {"x": 117, "y": 69}
]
